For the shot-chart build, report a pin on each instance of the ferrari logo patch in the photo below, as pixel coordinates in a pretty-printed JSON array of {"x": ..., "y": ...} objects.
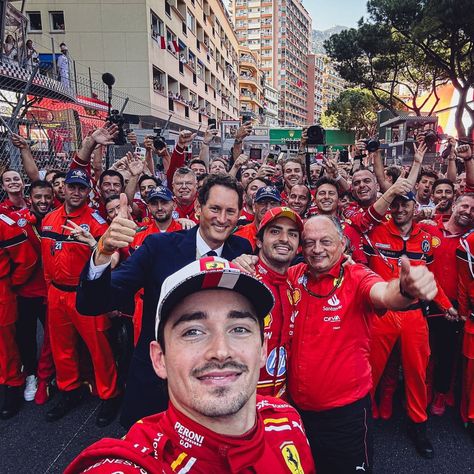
[
  {"x": 292, "y": 458},
  {"x": 213, "y": 265}
]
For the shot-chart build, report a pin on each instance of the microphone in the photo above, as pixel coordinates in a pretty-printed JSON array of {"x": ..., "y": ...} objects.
[{"x": 108, "y": 79}]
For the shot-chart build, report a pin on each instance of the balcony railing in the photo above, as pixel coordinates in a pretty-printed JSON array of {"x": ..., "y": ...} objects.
[{"x": 14, "y": 78}]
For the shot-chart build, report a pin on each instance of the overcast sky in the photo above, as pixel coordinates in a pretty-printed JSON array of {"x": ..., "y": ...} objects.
[{"x": 326, "y": 14}]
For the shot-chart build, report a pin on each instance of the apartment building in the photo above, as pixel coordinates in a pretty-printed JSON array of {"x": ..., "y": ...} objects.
[
  {"x": 332, "y": 83},
  {"x": 280, "y": 31},
  {"x": 251, "y": 82},
  {"x": 177, "y": 57}
]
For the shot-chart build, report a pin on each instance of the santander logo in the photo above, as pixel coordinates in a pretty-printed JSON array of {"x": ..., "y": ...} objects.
[{"x": 334, "y": 301}]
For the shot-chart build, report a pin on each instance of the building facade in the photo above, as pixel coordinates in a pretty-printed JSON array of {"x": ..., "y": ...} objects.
[
  {"x": 332, "y": 83},
  {"x": 251, "y": 81},
  {"x": 174, "y": 57},
  {"x": 280, "y": 31}
]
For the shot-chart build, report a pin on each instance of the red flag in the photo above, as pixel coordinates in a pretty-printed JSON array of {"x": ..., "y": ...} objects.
[
  {"x": 162, "y": 42},
  {"x": 173, "y": 45},
  {"x": 299, "y": 83}
]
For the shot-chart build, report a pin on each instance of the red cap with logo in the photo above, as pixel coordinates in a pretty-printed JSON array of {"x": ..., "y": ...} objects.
[{"x": 276, "y": 212}]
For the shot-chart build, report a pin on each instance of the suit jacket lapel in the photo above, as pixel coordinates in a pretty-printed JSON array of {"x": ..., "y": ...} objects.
[{"x": 187, "y": 246}]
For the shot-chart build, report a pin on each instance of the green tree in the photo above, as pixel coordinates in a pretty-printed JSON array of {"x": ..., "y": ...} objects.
[
  {"x": 355, "y": 109},
  {"x": 411, "y": 46}
]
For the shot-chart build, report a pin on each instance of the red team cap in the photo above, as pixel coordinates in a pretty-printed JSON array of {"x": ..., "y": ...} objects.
[
  {"x": 276, "y": 212},
  {"x": 209, "y": 273}
]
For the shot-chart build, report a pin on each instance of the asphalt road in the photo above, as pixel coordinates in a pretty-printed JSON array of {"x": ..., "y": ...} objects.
[{"x": 30, "y": 445}]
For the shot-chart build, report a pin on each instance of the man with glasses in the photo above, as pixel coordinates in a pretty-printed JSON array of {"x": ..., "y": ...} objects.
[
  {"x": 329, "y": 374},
  {"x": 185, "y": 193}
]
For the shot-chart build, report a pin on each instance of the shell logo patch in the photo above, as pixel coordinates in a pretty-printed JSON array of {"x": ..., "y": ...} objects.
[
  {"x": 435, "y": 242},
  {"x": 267, "y": 321},
  {"x": 292, "y": 458}
]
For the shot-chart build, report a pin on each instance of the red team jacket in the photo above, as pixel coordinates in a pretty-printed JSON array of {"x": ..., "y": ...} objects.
[
  {"x": 18, "y": 258},
  {"x": 36, "y": 286},
  {"x": 63, "y": 257},
  {"x": 150, "y": 228},
  {"x": 170, "y": 442},
  {"x": 385, "y": 246},
  {"x": 465, "y": 266},
  {"x": 329, "y": 354}
]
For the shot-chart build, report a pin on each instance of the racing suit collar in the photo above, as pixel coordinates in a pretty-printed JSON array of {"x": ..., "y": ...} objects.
[
  {"x": 275, "y": 278},
  {"x": 234, "y": 452},
  {"x": 77, "y": 213}
]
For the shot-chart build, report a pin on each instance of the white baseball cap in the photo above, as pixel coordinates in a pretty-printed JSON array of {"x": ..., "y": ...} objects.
[{"x": 209, "y": 273}]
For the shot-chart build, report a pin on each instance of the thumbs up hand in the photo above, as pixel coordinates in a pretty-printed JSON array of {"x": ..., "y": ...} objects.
[
  {"x": 416, "y": 282},
  {"x": 120, "y": 234}
]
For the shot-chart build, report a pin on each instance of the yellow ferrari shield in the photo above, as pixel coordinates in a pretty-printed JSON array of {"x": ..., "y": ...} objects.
[{"x": 292, "y": 459}]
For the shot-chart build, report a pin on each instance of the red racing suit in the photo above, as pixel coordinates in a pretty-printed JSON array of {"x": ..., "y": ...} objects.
[
  {"x": 278, "y": 327},
  {"x": 35, "y": 287},
  {"x": 170, "y": 442},
  {"x": 18, "y": 261},
  {"x": 7, "y": 207},
  {"x": 465, "y": 265},
  {"x": 63, "y": 260},
  {"x": 384, "y": 248}
]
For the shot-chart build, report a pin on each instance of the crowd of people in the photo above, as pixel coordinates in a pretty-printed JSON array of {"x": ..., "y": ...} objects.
[{"x": 292, "y": 294}]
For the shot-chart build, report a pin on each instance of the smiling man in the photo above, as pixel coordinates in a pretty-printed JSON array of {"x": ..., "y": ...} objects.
[
  {"x": 278, "y": 239},
  {"x": 208, "y": 344},
  {"x": 329, "y": 375},
  {"x": 220, "y": 201}
]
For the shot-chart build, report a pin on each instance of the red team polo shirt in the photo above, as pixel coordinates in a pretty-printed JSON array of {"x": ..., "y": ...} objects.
[{"x": 329, "y": 356}]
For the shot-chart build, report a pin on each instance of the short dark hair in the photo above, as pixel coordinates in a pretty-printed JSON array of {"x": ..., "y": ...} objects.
[
  {"x": 440, "y": 181},
  {"x": 394, "y": 172},
  {"x": 197, "y": 161},
  {"x": 293, "y": 160},
  {"x": 257, "y": 178},
  {"x": 221, "y": 160},
  {"x": 220, "y": 180},
  {"x": 40, "y": 183},
  {"x": 326, "y": 180},
  {"x": 111, "y": 173},
  {"x": 59, "y": 174},
  {"x": 160, "y": 336},
  {"x": 428, "y": 173},
  {"x": 145, "y": 177},
  {"x": 111, "y": 198}
]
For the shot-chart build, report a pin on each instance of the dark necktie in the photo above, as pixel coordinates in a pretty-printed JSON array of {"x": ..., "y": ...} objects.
[{"x": 211, "y": 253}]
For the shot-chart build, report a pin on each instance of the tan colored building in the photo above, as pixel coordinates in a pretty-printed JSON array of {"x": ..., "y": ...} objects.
[
  {"x": 332, "y": 83},
  {"x": 250, "y": 85},
  {"x": 280, "y": 31},
  {"x": 174, "y": 57}
]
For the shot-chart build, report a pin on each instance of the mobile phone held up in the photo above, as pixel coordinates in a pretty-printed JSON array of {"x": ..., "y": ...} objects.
[{"x": 212, "y": 124}]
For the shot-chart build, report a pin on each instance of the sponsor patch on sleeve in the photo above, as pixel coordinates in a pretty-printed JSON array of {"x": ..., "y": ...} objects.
[{"x": 98, "y": 218}]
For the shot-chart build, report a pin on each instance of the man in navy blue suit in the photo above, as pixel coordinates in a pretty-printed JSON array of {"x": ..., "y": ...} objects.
[{"x": 101, "y": 290}]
